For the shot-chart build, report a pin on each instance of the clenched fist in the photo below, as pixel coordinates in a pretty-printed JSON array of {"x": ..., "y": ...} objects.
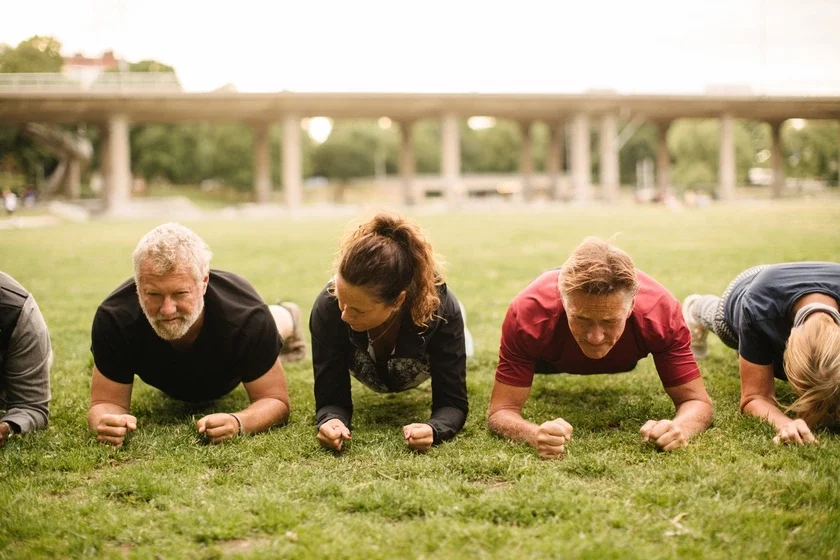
[
  {"x": 333, "y": 433},
  {"x": 552, "y": 437},
  {"x": 666, "y": 434},
  {"x": 218, "y": 427},
  {"x": 112, "y": 428},
  {"x": 418, "y": 437}
]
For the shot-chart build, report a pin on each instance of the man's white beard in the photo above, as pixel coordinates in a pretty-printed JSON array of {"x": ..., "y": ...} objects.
[{"x": 173, "y": 329}]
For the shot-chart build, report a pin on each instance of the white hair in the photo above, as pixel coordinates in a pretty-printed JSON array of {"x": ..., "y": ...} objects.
[{"x": 170, "y": 247}]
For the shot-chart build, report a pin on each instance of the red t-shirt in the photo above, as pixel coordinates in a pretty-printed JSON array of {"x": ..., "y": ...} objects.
[{"x": 536, "y": 331}]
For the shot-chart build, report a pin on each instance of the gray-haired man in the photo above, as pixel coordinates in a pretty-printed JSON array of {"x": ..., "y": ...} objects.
[{"x": 193, "y": 333}]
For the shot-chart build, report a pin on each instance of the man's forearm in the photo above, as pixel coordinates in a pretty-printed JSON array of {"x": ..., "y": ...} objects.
[
  {"x": 693, "y": 417},
  {"x": 511, "y": 425},
  {"x": 767, "y": 411},
  {"x": 263, "y": 414},
  {"x": 97, "y": 410}
]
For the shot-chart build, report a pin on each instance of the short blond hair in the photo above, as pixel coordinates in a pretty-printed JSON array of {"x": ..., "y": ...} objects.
[
  {"x": 596, "y": 267},
  {"x": 812, "y": 365},
  {"x": 170, "y": 247}
]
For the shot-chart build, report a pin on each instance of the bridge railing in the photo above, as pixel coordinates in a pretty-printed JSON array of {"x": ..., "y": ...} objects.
[{"x": 106, "y": 82}]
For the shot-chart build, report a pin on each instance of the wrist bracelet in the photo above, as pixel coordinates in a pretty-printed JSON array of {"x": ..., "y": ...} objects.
[{"x": 238, "y": 421}]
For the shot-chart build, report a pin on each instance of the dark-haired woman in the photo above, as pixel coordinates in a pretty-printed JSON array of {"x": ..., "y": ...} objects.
[{"x": 388, "y": 319}]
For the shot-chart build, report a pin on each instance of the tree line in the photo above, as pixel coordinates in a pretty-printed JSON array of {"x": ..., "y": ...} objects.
[{"x": 187, "y": 154}]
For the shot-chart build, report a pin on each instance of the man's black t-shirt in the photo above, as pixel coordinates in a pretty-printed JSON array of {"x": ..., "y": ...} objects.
[
  {"x": 238, "y": 341},
  {"x": 760, "y": 308}
]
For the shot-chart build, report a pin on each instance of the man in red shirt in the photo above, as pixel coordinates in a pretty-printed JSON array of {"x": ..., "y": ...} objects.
[{"x": 597, "y": 314}]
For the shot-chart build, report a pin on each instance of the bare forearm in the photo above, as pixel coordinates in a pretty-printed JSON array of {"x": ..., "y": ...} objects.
[
  {"x": 263, "y": 414},
  {"x": 767, "y": 411},
  {"x": 97, "y": 410},
  {"x": 511, "y": 425},
  {"x": 693, "y": 417}
]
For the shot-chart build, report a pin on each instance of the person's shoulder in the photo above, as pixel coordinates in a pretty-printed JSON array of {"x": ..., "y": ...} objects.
[
  {"x": 123, "y": 300},
  {"x": 325, "y": 302},
  {"x": 12, "y": 287},
  {"x": 227, "y": 283},
  {"x": 652, "y": 295},
  {"x": 119, "y": 311},
  {"x": 655, "y": 308},
  {"x": 541, "y": 296},
  {"x": 13, "y": 297},
  {"x": 325, "y": 314}
]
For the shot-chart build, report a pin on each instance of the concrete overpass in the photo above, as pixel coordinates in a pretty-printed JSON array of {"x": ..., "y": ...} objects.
[{"x": 114, "y": 110}]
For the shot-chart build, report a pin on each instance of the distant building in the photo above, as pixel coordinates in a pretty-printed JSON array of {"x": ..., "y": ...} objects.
[{"x": 87, "y": 70}]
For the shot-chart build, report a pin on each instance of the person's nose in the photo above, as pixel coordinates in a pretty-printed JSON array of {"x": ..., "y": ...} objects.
[
  {"x": 595, "y": 335},
  {"x": 345, "y": 314},
  {"x": 168, "y": 307}
]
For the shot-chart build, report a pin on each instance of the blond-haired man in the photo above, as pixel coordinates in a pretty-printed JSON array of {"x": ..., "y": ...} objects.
[
  {"x": 192, "y": 332},
  {"x": 597, "y": 314}
]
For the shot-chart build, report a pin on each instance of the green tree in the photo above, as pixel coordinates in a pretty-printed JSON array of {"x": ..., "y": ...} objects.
[
  {"x": 36, "y": 54},
  {"x": 811, "y": 150},
  {"x": 22, "y": 156},
  {"x": 695, "y": 152},
  {"x": 348, "y": 153}
]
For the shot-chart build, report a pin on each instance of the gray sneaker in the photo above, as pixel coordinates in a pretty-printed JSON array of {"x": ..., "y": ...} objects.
[
  {"x": 699, "y": 344},
  {"x": 294, "y": 347}
]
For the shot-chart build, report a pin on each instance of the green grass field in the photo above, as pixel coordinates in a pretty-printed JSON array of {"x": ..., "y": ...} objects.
[{"x": 730, "y": 494}]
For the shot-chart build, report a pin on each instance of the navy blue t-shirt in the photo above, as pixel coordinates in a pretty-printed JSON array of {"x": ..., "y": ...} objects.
[
  {"x": 238, "y": 342},
  {"x": 760, "y": 308}
]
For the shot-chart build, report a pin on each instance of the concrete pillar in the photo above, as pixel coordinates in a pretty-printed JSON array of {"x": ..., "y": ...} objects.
[
  {"x": 450, "y": 165},
  {"x": 292, "y": 161},
  {"x": 581, "y": 166},
  {"x": 776, "y": 159},
  {"x": 118, "y": 166},
  {"x": 609, "y": 158},
  {"x": 526, "y": 161},
  {"x": 726, "y": 173},
  {"x": 663, "y": 157},
  {"x": 262, "y": 164},
  {"x": 554, "y": 159},
  {"x": 407, "y": 165},
  {"x": 73, "y": 179}
]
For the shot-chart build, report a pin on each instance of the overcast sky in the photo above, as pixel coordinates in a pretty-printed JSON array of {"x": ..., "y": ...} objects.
[{"x": 658, "y": 46}]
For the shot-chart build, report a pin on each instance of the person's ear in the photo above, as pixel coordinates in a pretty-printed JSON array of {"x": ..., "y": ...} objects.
[{"x": 400, "y": 300}]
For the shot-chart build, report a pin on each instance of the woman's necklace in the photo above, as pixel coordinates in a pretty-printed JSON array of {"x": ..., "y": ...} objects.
[{"x": 380, "y": 335}]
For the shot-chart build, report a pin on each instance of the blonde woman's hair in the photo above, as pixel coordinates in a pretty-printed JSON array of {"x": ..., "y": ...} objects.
[
  {"x": 812, "y": 365},
  {"x": 598, "y": 268},
  {"x": 170, "y": 247},
  {"x": 389, "y": 254}
]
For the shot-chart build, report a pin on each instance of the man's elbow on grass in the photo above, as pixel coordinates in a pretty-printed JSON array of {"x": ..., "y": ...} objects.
[
  {"x": 285, "y": 411},
  {"x": 493, "y": 423}
]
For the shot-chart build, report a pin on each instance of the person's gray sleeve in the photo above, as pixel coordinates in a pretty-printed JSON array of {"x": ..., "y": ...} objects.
[{"x": 26, "y": 371}]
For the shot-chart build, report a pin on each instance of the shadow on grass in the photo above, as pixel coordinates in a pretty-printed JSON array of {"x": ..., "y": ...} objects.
[
  {"x": 393, "y": 409},
  {"x": 600, "y": 409}
]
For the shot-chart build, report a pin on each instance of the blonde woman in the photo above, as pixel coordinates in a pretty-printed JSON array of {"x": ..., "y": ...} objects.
[
  {"x": 784, "y": 320},
  {"x": 597, "y": 314},
  {"x": 388, "y": 319}
]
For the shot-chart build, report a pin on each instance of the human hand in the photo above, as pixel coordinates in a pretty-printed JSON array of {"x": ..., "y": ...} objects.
[
  {"x": 218, "y": 427},
  {"x": 419, "y": 437},
  {"x": 552, "y": 437},
  {"x": 665, "y": 434},
  {"x": 795, "y": 432},
  {"x": 5, "y": 433},
  {"x": 333, "y": 433},
  {"x": 112, "y": 428}
]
